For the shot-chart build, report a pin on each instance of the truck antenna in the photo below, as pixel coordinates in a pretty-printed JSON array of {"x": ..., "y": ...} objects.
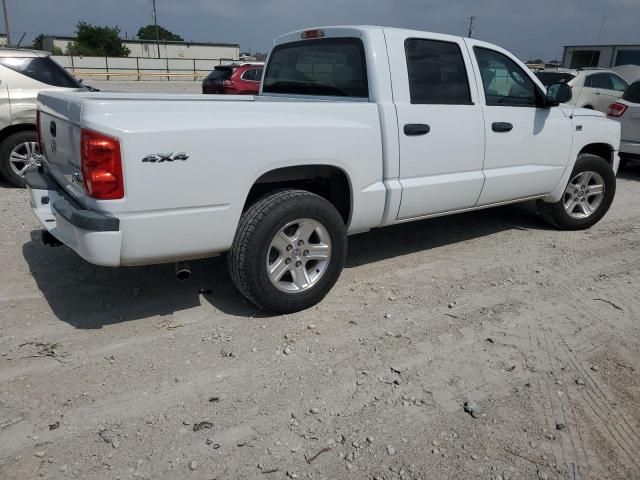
[
  {"x": 471, "y": 20},
  {"x": 593, "y": 54}
]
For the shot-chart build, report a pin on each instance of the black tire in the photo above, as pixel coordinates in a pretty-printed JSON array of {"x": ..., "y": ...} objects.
[
  {"x": 557, "y": 215},
  {"x": 5, "y": 152},
  {"x": 247, "y": 259}
]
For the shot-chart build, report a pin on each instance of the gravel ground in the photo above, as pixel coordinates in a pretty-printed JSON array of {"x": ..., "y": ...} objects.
[{"x": 126, "y": 373}]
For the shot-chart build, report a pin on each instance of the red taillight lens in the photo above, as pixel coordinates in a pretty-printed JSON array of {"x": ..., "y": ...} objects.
[
  {"x": 101, "y": 166},
  {"x": 38, "y": 133},
  {"x": 617, "y": 109}
]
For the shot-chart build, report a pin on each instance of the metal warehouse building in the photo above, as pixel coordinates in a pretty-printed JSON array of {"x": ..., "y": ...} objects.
[
  {"x": 600, "y": 56},
  {"x": 168, "y": 49}
]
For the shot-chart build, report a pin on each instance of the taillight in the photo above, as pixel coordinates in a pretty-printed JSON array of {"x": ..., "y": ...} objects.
[
  {"x": 316, "y": 33},
  {"x": 617, "y": 109},
  {"x": 101, "y": 166},
  {"x": 38, "y": 133}
]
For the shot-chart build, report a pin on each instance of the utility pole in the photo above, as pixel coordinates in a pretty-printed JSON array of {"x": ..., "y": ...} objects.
[
  {"x": 471, "y": 20},
  {"x": 155, "y": 21},
  {"x": 6, "y": 22}
]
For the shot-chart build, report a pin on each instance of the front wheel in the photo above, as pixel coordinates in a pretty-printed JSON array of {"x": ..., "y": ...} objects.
[
  {"x": 288, "y": 251},
  {"x": 586, "y": 198}
]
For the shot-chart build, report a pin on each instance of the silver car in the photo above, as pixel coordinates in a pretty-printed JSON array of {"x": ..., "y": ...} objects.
[{"x": 24, "y": 74}]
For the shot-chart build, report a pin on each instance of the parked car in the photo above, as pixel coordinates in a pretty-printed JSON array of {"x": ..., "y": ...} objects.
[
  {"x": 596, "y": 88},
  {"x": 556, "y": 75},
  {"x": 234, "y": 80},
  {"x": 23, "y": 74},
  {"x": 355, "y": 128},
  {"x": 627, "y": 112}
]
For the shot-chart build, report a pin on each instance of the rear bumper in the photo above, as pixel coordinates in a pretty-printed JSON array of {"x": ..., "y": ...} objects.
[{"x": 94, "y": 236}]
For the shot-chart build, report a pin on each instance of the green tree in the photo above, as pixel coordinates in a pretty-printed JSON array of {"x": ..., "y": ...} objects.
[
  {"x": 38, "y": 42},
  {"x": 92, "y": 40},
  {"x": 149, "y": 33}
]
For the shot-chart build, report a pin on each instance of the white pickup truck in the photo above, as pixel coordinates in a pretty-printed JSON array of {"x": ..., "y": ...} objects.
[{"x": 355, "y": 128}]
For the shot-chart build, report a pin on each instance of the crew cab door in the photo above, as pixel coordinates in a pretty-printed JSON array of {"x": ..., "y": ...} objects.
[
  {"x": 439, "y": 122},
  {"x": 527, "y": 145}
]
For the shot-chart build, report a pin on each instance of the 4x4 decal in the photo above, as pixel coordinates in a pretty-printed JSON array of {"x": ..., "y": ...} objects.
[{"x": 165, "y": 157}]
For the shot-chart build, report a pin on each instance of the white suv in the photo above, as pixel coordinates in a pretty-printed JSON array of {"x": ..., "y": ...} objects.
[
  {"x": 24, "y": 74},
  {"x": 596, "y": 88}
]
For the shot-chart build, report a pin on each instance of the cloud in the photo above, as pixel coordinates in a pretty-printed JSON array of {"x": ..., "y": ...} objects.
[{"x": 529, "y": 28}]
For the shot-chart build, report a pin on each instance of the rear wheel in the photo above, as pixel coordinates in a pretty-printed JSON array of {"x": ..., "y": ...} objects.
[
  {"x": 586, "y": 198},
  {"x": 18, "y": 153},
  {"x": 288, "y": 251}
]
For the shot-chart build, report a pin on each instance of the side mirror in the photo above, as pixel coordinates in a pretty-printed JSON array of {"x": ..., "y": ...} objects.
[{"x": 558, "y": 93}]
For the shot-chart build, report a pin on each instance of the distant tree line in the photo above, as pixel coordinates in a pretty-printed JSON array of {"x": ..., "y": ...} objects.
[{"x": 93, "y": 40}]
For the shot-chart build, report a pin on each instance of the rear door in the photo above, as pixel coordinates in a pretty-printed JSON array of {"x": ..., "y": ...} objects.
[
  {"x": 440, "y": 123},
  {"x": 527, "y": 146}
]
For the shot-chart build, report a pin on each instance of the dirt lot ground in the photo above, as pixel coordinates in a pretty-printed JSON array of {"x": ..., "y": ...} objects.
[{"x": 109, "y": 373}]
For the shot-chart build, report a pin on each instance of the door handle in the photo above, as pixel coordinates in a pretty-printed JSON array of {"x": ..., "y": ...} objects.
[
  {"x": 596, "y": 93},
  {"x": 414, "y": 129},
  {"x": 501, "y": 127}
]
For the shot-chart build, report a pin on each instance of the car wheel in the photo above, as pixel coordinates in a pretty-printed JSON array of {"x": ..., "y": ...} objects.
[
  {"x": 18, "y": 152},
  {"x": 586, "y": 198},
  {"x": 288, "y": 251}
]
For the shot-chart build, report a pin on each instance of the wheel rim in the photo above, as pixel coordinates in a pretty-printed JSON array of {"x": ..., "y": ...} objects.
[
  {"x": 23, "y": 156},
  {"x": 584, "y": 194},
  {"x": 299, "y": 255}
]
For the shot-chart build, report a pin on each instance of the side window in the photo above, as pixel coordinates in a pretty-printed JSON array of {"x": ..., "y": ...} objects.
[
  {"x": 42, "y": 69},
  {"x": 599, "y": 80},
  {"x": 505, "y": 83},
  {"x": 619, "y": 84},
  {"x": 437, "y": 74},
  {"x": 253, "y": 75}
]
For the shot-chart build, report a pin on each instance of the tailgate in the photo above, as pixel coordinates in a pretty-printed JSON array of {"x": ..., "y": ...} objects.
[{"x": 60, "y": 137}]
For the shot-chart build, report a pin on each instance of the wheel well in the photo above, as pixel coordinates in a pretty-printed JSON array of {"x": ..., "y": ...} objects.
[
  {"x": 602, "y": 150},
  {"x": 11, "y": 129},
  {"x": 327, "y": 181}
]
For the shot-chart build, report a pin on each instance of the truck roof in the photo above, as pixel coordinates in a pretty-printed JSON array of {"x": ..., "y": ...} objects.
[{"x": 332, "y": 30}]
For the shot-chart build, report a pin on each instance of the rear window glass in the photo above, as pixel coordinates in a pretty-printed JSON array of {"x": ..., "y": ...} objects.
[
  {"x": 326, "y": 67},
  {"x": 547, "y": 78},
  {"x": 632, "y": 94},
  {"x": 220, "y": 73},
  {"x": 42, "y": 69}
]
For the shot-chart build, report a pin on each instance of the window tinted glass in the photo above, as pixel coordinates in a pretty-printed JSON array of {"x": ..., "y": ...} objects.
[
  {"x": 220, "y": 73},
  {"x": 599, "y": 80},
  {"x": 632, "y": 94},
  {"x": 437, "y": 74},
  {"x": 628, "y": 57},
  {"x": 618, "y": 84},
  {"x": 255, "y": 74},
  {"x": 505, "y": 83},
  {"x": 547, "y": 78},
  {"x": 42, "y": 69},
  {"x": 330, "y": 67},
  {"x": 585, "y": 58}
]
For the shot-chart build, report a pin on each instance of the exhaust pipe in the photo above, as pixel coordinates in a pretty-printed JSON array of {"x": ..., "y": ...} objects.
[
  {"x": 49, "y": 239},
  {"x": 183, "y": 271}
]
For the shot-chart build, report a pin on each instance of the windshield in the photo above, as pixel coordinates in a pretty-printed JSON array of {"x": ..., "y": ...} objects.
[
  {"x": 632, "y": 94},
  {"x": 220, "y": 73},
  {"x": 547, "y": 78},
  {"x": 327, "y": 67},
  {"x": 42, "y": 69}
]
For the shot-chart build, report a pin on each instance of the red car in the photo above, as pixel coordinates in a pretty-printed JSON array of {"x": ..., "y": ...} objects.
[{"x": 234, "y": 80}]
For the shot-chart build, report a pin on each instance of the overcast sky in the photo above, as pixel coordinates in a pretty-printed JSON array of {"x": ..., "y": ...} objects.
[{"x": 529, "y": 28}]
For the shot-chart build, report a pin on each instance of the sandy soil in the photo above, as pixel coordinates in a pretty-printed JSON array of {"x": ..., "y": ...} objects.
[{"x": 108, "y": 373}]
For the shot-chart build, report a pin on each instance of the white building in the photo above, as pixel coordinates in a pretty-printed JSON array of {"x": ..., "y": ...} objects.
[
  {"x": 600, "y": 56},
  {"x": 168, "y": 49}
]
